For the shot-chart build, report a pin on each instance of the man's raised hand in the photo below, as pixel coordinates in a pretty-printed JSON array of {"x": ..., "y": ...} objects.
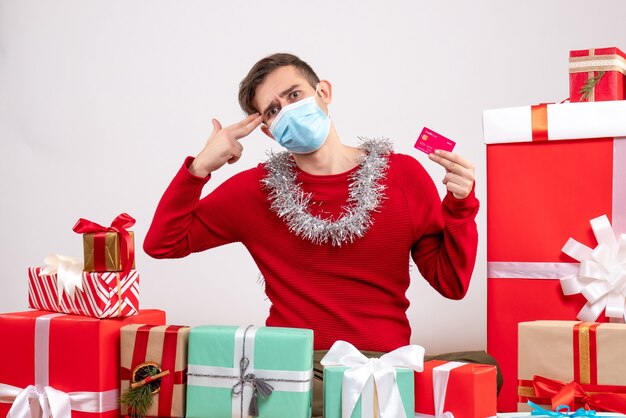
[{"x": 223, "y": 145}]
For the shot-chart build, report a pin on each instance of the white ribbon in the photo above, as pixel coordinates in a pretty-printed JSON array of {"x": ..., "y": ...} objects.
[
  {"x": 441, "y": 374},
  {"x": 69, "y": 271},
  {"x": 43, "y": 401},
  {"x": 363, "y": 372},
  {"x": 48, "y": 402},
  {"x": 601, "y": 277}
]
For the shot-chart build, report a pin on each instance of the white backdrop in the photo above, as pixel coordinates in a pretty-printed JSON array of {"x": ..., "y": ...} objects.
[{"x": 100, "y": 101}]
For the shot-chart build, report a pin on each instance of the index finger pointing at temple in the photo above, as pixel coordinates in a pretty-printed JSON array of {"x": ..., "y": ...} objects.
[{"x": 248, "y": 125}]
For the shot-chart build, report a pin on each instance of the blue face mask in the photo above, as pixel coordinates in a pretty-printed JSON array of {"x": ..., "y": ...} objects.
[{"x": 301, "y": 127}]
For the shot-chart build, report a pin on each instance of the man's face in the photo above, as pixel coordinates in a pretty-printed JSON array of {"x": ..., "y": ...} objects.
[{"x": 281, "y": 87}]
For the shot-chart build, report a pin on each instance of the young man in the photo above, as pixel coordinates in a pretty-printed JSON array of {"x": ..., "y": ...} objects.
[{"x": 330, "y": 226}]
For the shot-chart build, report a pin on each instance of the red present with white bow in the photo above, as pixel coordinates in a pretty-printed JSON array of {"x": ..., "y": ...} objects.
[
  {"x": 453, "y": 389},
  {"x": 550, "y": 170},
  {"x": 62, "y": 286},
  {"x": 62, "y": 366}
]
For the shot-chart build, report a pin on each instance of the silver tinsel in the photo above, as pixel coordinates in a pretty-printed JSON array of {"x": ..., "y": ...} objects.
[{"x": 366, "y": 193}]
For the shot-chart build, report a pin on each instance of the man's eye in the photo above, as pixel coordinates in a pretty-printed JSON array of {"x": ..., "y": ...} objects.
[{"x": 295, "y": 94}]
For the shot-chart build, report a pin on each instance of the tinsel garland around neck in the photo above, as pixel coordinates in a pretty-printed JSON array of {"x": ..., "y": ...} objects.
[{"x": 366, "y": 192}]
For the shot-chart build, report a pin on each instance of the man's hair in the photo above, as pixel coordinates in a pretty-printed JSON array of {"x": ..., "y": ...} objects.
[{"x": 260, "y": 70}]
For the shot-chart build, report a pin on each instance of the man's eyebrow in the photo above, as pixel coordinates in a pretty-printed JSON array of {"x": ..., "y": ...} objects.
[{"x": 283, "y": 94}]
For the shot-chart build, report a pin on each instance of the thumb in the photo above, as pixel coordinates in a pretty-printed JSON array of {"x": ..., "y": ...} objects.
[{"x": 217, "y": 126}]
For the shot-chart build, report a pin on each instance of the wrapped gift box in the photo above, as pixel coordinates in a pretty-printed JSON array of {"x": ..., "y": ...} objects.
[
  {"x": 552, "y": 354},
  {"x": 466, "y": 390},
  {"x": 102, "y": 251},
  {"x": 103, "y": 295},
  {"x": 165, "y": 348},
  {"x": 357, "y": 386},
  {"x": 48, "y": 356},
  {"x": 109, "y": 248},
  {"x": 333, "y": 382},
  {"x": 604, "y": 68},
  {"x": 550, "y": 169},
  {"x": 527, "y": 414},
  {"x": 279, "y": 357}
]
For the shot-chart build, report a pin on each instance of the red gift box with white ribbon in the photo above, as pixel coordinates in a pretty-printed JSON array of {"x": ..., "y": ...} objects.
[
  {"x": 66, "y": 366},
  {"x": 455, "y": 389},
  {"x": 550, "y": 170}
]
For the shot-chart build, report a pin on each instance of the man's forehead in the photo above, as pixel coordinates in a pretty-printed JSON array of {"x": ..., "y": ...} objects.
[{"x": 276, "y": 83}]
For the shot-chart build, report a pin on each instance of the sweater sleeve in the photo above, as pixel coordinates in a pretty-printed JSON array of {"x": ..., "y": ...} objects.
[
  {"x": 183, "y": 223},
  {"x": 446, "y": 237}
]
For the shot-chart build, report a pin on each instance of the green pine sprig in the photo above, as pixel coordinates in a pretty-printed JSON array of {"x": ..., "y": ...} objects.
[
  {"x": 590, "y": 84},
  {"x": 140, "y": 399}
]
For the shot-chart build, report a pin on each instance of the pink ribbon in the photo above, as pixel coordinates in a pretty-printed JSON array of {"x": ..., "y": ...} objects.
[{"x": 42, "y": 400}]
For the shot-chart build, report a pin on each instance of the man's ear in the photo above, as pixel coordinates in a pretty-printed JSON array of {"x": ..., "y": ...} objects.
[
  {"x": 266, "y": 131},
  {"x": 325, "y": 90}
]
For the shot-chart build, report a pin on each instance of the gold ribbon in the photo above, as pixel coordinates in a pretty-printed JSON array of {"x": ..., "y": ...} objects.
[
  {"x": 593, "y": 63},
  {"x": 584, "y": 356}
]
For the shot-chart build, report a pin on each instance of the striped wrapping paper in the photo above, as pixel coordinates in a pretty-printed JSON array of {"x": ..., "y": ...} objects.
[{"x": 103, "y": 295}]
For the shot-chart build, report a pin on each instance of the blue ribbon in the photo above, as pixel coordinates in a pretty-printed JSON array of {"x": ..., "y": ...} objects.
[{"x": 561, "y": 411}]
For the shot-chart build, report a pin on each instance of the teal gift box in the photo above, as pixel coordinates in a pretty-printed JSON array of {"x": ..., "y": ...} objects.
[
  {"x": 232, "y": 369},
  {"x": 333, "y": 384}
]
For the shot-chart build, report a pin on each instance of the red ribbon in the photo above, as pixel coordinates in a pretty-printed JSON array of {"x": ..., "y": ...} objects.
[
  {"x": 180, "y": 376},
  {"x": 573, "y": 394},
  {"x": 168, "y": 362},
  {"x": 127, "y": 247},
  {"x": 539, "y": 116}
]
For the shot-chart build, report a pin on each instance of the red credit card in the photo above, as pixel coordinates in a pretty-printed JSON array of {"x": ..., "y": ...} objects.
[{"x": 429, "y": 141}]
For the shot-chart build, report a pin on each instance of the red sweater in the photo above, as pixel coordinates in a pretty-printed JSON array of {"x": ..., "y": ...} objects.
[{"x": 355, "y": 292}]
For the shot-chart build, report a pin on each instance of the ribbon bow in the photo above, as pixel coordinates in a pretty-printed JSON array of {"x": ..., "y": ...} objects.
[
  {"x": 601, "y": 277},
  {"x": 119, "y": 225},
  {"x": 48, "y": 402},
  {"x": 259, "y": 387},
  {"x": 69, "y": 271},
  {"x": 382, "y": 370},
  {"x": 561, "y": 411},
  {"x": 573, "y": 395}
]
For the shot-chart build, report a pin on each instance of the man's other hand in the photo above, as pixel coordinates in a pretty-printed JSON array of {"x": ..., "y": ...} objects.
[{"x": 459, "y": 178}]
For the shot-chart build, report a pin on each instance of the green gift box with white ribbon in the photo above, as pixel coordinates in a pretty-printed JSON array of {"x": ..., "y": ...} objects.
[
  {"x": 359, "y": 387},
  {"x": 249, "y": 371},
  {"x": 368, "y": 401}
]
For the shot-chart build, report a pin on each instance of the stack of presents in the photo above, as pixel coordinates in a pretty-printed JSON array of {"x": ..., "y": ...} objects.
[{"x": 556, "y": 208}]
